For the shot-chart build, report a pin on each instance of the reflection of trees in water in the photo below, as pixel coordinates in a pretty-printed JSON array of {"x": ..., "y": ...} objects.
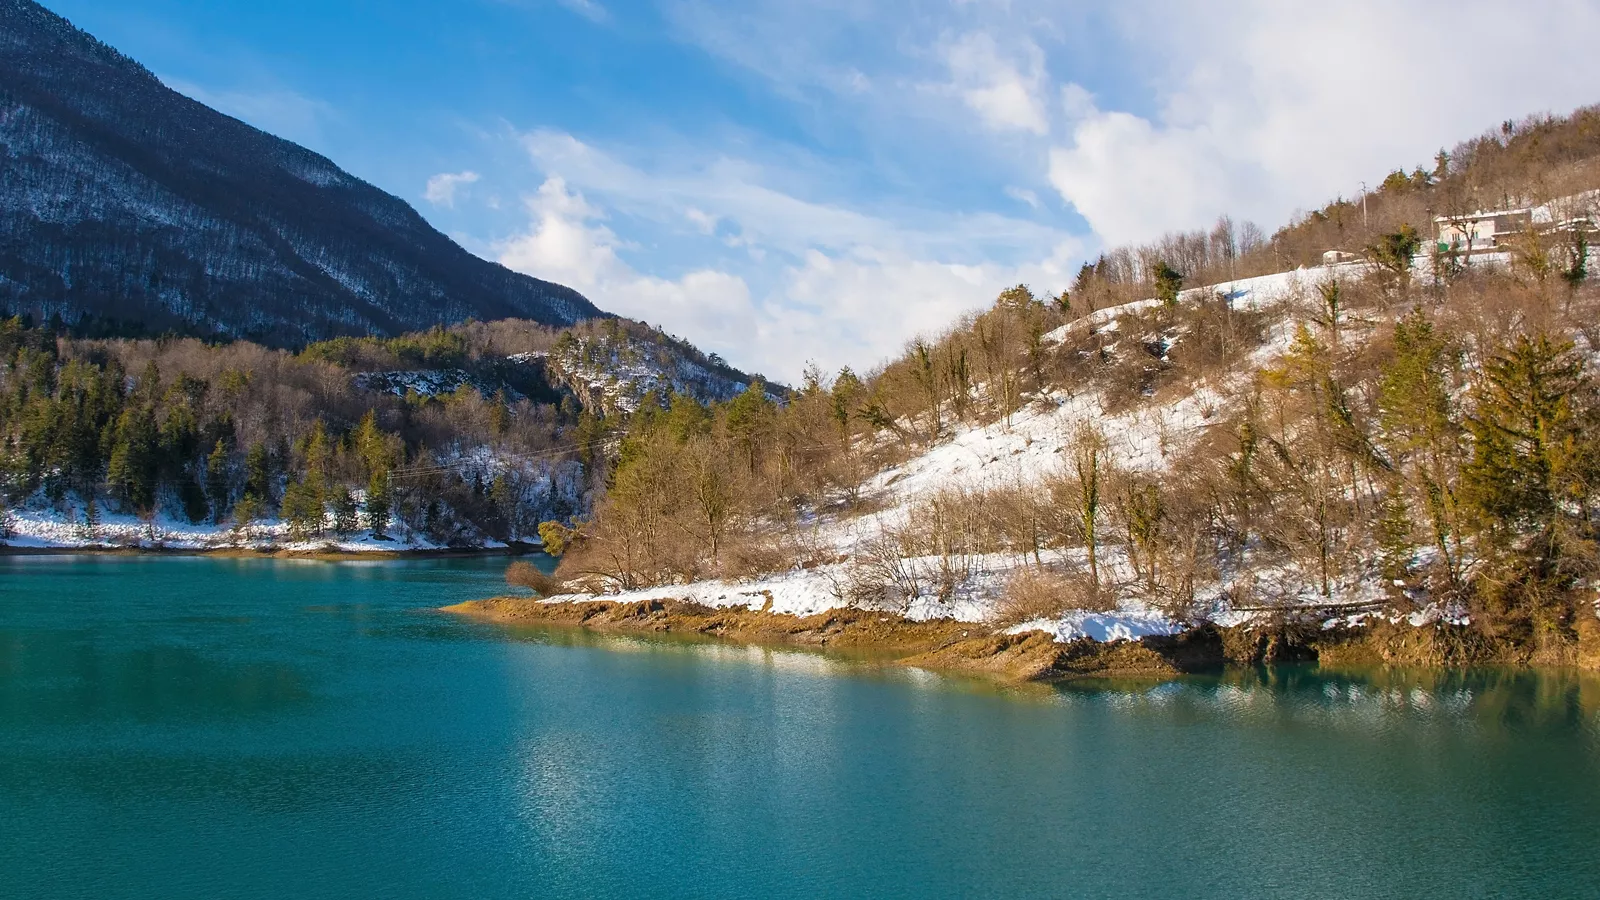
[{"x": 1504, "y": 699}]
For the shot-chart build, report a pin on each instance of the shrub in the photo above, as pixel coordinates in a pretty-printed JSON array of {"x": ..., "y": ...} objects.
[
  {"x": 556, "y": 537},
  {"x": 526, "y": 575},
  {"x": 1032, "y": 594}
]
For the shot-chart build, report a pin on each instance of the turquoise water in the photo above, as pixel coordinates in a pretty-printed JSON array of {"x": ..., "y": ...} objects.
[{"x": 177, "y": 728}]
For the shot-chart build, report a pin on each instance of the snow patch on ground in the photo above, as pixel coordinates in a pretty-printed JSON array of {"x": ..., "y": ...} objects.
[
  {"x": 1131, "y": 621},
  {"x": 48, "y": 529},
  {"x": 1022, "y": 451}
]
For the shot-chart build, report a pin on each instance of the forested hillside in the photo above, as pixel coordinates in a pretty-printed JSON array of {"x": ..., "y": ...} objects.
[
  {"x": 454, "y": 437},
  {"x": 1410, "y": 432},
  {"x": 129, "y": 206}
]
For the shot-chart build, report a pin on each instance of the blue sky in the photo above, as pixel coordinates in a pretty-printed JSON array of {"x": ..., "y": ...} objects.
[{"x": 790, "y": 181}]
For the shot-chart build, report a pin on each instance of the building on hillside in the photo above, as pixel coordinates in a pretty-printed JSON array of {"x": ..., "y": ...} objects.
[
  {"x": 1340, "y": 257},
  {"x": 1584, "y": 225},
  {"x": 1481, "y": 230}
]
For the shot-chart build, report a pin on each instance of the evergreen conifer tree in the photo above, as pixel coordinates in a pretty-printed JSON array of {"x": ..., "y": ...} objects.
[
  {"x": 379, "y": 504},
  {"x": 219, "y": 486},
  {"x": 1526, "y": 438},
  {"x": 1169, "y": 283},
  {"x": 346, "y": 520}
]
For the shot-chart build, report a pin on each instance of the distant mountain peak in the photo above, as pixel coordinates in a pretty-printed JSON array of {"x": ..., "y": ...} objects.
[{"x": 126, "y": 200}]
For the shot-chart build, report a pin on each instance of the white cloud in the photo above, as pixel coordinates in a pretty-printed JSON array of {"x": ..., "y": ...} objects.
[
  {"x": 441, "y": 189},
  {"x": 828, "y": 284},
  {"x": 1306, "y": 102},
  {"x": 704, "y": 221},
  {"x": 1023, "y": 195},
  {"x": 1133, "y": 181},
  {"x": 1004, "y": 95},
  {"x": 1253, "y": 108},
  {"x": 737, "y": 194},
  {"x": 566, "y": 242},
  {"x": 1146, "y": 116}
]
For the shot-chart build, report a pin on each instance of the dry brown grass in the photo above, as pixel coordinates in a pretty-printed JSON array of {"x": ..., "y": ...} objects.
[
  {"x": 1032, "y": 594},
  {"x": 757, "y": 555},
  {"x": 524, "y": 574}
]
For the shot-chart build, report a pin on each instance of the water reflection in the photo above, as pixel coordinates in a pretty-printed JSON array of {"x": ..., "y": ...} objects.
[{"x": 1495, "y": 700}]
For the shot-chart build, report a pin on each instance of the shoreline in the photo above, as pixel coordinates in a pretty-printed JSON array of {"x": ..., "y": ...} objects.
[
  {"x": 333, "y": 555},
  {"x": 975, "y": 649}
]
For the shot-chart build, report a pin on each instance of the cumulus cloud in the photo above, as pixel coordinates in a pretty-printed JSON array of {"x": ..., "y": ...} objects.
[
  {"x": 442, "y": 188},
  {"x": 1304, "y": 103},
  {"x": 947, "y": 126},
  {"x": 825, "y": 284},
  {"x": 567, "y": 241},
  {"x": 1003, "y": 89},
  {"x": 740, "y": 194}
]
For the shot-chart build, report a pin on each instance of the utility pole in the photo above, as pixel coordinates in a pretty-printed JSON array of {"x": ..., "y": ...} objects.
[{"x": 1365, "y": 225}]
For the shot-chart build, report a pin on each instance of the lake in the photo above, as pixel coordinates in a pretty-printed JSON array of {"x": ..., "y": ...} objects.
[{"x": 202, "y": 728}]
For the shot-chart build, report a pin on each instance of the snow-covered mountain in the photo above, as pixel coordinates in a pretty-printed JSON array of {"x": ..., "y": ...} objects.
[{"x": 125, "y": 200}]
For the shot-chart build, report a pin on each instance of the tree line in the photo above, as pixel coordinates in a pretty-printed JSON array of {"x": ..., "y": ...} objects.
[
  {"x": 1438, "y": 439},
  {"x": 237, "y": 434}
]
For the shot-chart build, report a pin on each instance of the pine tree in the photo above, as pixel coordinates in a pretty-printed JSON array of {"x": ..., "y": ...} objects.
[
  {"x": 928, "y": 380},
  {"x": 134, "y": 468},
  {"x": 1576, "y": 269},
  {"x": 379, "y": 504},
  {"x": 318, "y": 456},
  {"x": 749, "y": 421},
  {"x": 847, "y": 390},
  {"x": 219, "y": 487},
  {"x": 1393, "y": 252},
  {"x": 346, "y": 520},
  {"x": 1396, "y": 549},
  {"x": 303, "y": 510},
  {"x": 1526, "y": 438},
  {"x": 246, "y": 511},
  {"x": 1169, "y": 283},
  {"x": 1421, "y": 432},
  {"x": 499, "y": 414},
  {"x": 370, "y": 443},
  {"x": 258, "y": 474}
]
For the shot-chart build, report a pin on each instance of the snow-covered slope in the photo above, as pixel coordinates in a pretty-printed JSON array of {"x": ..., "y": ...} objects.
[
  {"x": 616, "y": 372},
  {"x": 1022, "y": 452},
  {"x": 44, "y": 527}
]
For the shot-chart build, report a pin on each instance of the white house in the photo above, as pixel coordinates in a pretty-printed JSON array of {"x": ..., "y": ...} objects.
[{"x": 1481, "y": 230}]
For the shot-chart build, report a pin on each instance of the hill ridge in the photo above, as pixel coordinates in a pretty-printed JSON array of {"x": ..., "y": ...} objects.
[{"x": 127, "y": 200}]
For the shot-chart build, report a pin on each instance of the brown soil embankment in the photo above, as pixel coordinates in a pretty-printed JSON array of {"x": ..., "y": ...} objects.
[
  {"x": 974, "y": 649},
  {"x": 942, "y": 645}
]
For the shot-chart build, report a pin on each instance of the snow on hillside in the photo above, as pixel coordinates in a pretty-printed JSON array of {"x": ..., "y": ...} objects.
[
  {"x": 807, "y": 592},
  {"x": 1140, "y": 439},
  {"x": 618, "y": 373},
  {"x": 422, "y": 382},
  {"x": 1022, "y": 451},
  {"x": 48, "y": 529}
]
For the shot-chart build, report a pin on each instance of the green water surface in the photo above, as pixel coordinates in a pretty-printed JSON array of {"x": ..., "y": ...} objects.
[{"x": 209, "y": 728}]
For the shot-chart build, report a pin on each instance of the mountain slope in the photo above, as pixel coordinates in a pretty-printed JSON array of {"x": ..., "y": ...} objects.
[{"x": 122, "y": 199}]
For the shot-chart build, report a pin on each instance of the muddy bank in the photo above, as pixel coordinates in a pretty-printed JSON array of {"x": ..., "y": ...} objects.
[
  {"x": 974, "y": 649},
  {"x": 941, "y": 644}
]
